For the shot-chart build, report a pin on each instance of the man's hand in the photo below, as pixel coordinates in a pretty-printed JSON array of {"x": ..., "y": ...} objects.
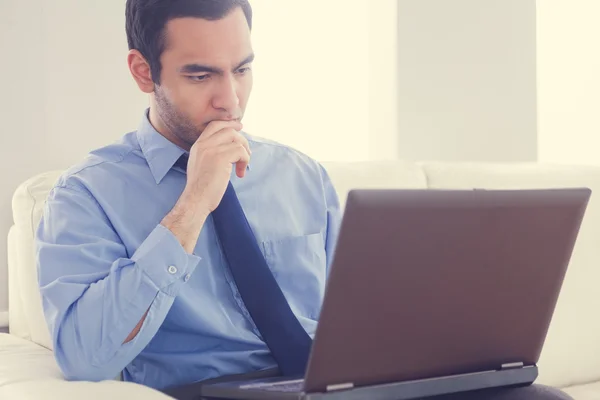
[
  {"x": 208, "y": 172},
  {"x": 210, "y": 163}
]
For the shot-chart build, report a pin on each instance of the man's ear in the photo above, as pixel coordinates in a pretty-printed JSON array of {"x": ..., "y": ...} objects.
[{"x": 140, "y": 70}]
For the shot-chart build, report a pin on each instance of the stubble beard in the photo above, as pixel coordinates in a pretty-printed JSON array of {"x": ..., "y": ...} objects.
[{"x": 175, "y": 121}]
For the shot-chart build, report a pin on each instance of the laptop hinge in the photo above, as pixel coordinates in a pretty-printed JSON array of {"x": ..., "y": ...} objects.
[
  {"x": 341, "y": 386},
  {"x": 515, "y": 365}
]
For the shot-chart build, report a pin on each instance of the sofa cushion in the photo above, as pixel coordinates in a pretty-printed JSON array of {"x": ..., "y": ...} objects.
[
  {"x": 571, "y": 353},
  {"x": 29, "y": 372},
  {"x": 24, "y": 361},
  {"x": 62, "y": 390}
]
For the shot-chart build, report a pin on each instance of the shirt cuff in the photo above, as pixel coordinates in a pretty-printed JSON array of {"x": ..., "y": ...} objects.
[{"x": 164, "y": 259}]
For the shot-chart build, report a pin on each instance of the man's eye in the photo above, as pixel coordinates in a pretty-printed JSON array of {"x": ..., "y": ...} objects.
[
  {"x": 198, "y": 78},
  {"x": 243, "y": 70}
]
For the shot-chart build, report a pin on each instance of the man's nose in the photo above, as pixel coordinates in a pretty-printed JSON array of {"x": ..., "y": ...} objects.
[{"x": 226, "y": 97}]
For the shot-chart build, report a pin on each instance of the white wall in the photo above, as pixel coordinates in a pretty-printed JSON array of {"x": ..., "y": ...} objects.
[
  {"x": 467, "y": 80},
  {"x": 306, "y": 86},
  {"x": 67, "y": 90},
  {"x": 569, "y": 81},
  {"x": 325, "y": 73},
  {"x": 383, "y": 79}
]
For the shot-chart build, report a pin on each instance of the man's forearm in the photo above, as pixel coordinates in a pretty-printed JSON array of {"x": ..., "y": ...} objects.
[{"x": 185, "y": 221}]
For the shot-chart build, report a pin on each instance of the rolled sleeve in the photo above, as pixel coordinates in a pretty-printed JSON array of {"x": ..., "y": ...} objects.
[{"x": 162, "y": 258}]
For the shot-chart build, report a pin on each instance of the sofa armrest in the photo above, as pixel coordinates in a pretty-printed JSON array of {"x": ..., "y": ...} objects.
[{"x": 29, "y": 371}]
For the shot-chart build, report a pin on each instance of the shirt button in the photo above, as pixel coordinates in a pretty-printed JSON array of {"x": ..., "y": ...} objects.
[
  {"x": 172, "y": 270},
  {"x": 186, "y": 278}
]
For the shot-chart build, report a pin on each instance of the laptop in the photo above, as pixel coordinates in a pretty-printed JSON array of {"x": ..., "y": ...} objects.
[{"x": 434, "y": 292}]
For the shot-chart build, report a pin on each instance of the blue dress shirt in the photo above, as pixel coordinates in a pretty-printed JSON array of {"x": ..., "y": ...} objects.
[{"x": 104, "y": 259}]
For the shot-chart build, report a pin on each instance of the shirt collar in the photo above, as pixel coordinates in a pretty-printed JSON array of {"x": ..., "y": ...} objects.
[{"x": 161, "y": 154}]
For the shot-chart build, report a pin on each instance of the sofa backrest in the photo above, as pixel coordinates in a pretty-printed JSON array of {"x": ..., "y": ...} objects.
[
  {"x": 374, "y": 175},
  {"x": 572, "y": 351}
]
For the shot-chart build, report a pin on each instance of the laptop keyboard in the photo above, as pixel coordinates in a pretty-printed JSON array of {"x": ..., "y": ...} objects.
[{"x": 295, "y": 386}]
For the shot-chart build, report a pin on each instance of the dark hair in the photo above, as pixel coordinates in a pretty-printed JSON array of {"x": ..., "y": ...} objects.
[{"x": 145, "y": 22}]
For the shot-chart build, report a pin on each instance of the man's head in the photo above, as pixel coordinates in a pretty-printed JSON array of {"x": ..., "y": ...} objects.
[{"x": 194, "y": 58}]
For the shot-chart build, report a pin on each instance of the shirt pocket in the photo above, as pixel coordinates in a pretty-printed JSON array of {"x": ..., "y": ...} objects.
[{"x": 298, "y": 264}]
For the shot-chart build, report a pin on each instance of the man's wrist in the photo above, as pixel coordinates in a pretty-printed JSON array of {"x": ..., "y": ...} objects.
[{"x": 193, "y": 205}]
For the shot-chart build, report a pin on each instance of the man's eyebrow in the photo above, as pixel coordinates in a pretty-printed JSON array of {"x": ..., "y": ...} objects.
[
  {"x": 198, "y": 68},
  {"x": 248, "y": 60}
]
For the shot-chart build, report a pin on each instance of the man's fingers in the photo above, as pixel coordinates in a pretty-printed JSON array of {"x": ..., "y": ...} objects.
[
  {"x": 237, "y": 154},
  {"x": 217, "y": 126},
  {"x": 228, "y": 136}
]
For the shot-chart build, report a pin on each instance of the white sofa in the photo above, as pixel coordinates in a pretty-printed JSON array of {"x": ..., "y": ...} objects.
[{"x": 570, "y": 359}]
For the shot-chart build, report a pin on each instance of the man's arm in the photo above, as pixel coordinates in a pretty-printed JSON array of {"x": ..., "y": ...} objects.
[{"x": 102, "y": 306}]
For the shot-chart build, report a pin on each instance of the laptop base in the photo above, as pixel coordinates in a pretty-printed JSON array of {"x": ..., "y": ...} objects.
[{"x": 392, "y": 391}]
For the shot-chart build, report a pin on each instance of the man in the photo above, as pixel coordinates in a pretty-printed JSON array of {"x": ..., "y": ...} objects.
[
  {"x": 132, "y": 273},
  {"x": 154, "y": 252}
]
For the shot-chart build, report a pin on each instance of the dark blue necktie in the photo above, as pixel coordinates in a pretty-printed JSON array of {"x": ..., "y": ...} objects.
[
  {"x": 286, "y": 338},
  {"x": 280, "y": 329}
]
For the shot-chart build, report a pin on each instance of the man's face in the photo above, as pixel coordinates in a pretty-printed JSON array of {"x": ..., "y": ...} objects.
[{"x": 205, "y": 74}]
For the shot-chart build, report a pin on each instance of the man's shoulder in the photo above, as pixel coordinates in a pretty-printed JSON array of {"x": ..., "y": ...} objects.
[
  {"x": 102, "y": 163},
  {"x": 284, "y": 155}
]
